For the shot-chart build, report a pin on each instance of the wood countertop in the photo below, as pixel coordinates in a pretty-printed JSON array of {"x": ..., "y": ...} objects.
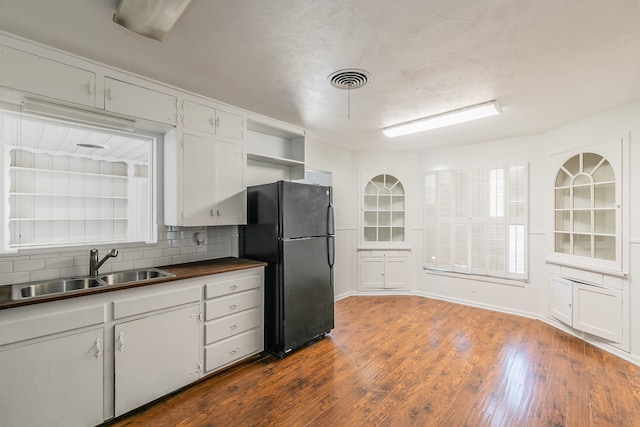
[{"x": 181, "y": 271}]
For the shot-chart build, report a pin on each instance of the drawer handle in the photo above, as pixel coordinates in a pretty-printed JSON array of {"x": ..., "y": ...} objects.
[
  {"x": 234, "y": 351},
  {"x": 233, "y": 287},
  {"x": 233, "y": 306},
  {"x": 234, "y": 326}
]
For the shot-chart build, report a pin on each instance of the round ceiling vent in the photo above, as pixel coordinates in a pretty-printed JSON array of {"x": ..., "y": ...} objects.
[{"x": 349, "y": 79}]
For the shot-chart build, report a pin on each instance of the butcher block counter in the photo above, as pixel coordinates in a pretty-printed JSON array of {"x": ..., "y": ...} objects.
[{"x": 179, "y": 271}]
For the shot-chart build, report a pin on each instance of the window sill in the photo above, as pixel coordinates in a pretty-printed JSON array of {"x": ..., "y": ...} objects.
[{"x": 475, "y": 277}]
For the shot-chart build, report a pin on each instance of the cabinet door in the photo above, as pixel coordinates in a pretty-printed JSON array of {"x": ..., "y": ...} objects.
[
  {"x": 136, "y": 101},
  {"x": 372, "y": 273},
  {"x": 154, "y": 356},
  {"x": 230, "y": 196},
  {"x": 598, "y": 311},
  {"x": 396, "y": 273},
  {"x": 198, "y": 180},
  {"x": 199, "y": 117},
  {"x": 34, "y": 74},
  {"x": 562, "y": 300},
  {"x": 54, "y": 382},
  {"x": 229, "y": 125}
]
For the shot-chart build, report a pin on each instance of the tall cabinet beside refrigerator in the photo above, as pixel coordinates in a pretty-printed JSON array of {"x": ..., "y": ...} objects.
[{"x": 290, "y": 226}]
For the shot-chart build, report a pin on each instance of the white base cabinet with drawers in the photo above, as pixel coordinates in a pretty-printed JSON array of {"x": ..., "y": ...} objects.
[
  {"x": 85, "y": 360},
  {"x": 233, "y": 320}
]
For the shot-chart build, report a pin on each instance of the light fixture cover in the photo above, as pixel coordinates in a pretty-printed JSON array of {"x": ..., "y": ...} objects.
[
  {"x": 461, "y": 115},
  {"x": 150, "y": 18}
]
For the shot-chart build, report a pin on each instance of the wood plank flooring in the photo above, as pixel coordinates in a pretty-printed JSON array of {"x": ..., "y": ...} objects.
[{"x": 412, "y": 361}]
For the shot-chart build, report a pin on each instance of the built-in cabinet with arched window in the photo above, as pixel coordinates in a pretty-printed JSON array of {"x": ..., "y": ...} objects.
[
  {"x": 383, "y": 254},
  {"x": 589, "y": 290}
]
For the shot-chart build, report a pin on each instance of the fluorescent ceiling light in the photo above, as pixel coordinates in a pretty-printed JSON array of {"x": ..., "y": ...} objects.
[
  {"x": 150, "y": 18},
  {"x": 445, "y": 119}
]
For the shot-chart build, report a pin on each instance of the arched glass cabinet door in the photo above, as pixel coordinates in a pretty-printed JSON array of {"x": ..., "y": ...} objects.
[
  {"x": 384, "y": 210},
  {"x": 585, "y": 208}
]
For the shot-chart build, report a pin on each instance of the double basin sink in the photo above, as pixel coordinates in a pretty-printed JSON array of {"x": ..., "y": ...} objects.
[{"x": 75, "y": 284}]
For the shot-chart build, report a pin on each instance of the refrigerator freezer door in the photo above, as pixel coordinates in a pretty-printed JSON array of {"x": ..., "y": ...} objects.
[
  {"x": 305, "y": 210},
  {"x": 308, "y": 290}
]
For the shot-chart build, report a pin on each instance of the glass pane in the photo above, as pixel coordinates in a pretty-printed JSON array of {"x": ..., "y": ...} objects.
[
  {"x": 562, "y": 179},
  {"x": 582, "y": 197},
  {"x": 582, "y": 221},
  {"x": 605, "y": 247},
  {"x": 604, "y": 195},
  {"x": 582, "y": 245},
  {"x": 370, "y": 218},
  {"x": 605, "y": 221},
  {"x": 563, "y": 221},
  {"x": 384, "y": 203},
  {"x": 384, "y": 234},
  {"x": 604, "y": 173},
  {"x": 563, "y": 198},
  {"x": 582, "y": 180},
  {"x": 390, "y": 180},
  {"x": 378, "y": 181},
  {"x": 397, "y": 219},
  {"x": 371, "y": 202},
  {"x": 398, "y": 189},
  {"x": 371, "y": 188},
  {"x": 397, "y": 202},
  {"x": 384, "y": 218},
  {"x": 590, "y": 161},
  {"x": 573, "y": 165},
  {"x": 370, "y": 234},
  {"x": 398, "y": 234}
]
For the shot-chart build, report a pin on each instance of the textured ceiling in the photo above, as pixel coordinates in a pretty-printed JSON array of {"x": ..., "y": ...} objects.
[{"x": 548, "y": 62}]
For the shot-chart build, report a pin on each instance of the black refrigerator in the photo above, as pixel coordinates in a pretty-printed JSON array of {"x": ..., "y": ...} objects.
[{"x": 290, "y": 227}]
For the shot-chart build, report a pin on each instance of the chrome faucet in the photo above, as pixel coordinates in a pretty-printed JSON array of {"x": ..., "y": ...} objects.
[{"x": 94, "y": 264}]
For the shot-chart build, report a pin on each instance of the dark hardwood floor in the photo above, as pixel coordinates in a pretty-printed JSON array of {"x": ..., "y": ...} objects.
[{"x": 412, "y": 361}]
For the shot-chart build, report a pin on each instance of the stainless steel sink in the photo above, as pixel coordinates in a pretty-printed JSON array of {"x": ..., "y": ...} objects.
[
  {"x": 31, "y": 290},
  {"x": 132, "y": 276},
  {"x": 75, "y": 284}
]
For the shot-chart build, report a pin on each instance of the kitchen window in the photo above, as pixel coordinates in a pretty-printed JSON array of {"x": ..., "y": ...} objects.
[
  {"x": 66, "y": 184},
  {"x": 475, "y": 221}
]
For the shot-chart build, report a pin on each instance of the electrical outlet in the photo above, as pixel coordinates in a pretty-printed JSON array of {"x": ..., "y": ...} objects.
[{"x": 474, "y": 288}]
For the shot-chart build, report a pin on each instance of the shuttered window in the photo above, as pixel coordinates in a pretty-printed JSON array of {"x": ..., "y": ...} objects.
[{"x": 475, "y": 221}]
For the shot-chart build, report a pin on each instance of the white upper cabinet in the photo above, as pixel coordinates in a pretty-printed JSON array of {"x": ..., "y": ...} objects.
[
  {"x": 207, "y": 119},
  {"x": 136, "y": 101},
  {"x": 204, "y": 181},
  {"x": 36, "y": 75}
]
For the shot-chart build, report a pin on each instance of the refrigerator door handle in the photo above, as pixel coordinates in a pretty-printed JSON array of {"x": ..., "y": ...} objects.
[
  {"x": 330, "y": 227},
  {"x": 331, "y": 250}
]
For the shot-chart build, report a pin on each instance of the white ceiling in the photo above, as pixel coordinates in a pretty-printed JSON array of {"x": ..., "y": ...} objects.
[{"x": 548, "y": 62}]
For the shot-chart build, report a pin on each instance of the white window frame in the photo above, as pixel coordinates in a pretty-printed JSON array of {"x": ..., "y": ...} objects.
[
  {"x": 467, "y": 227},
  {"x": 129, "y": 180}
]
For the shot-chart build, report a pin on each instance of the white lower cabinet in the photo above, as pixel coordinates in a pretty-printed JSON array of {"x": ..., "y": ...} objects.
[
  {"x": 55, "y": 382},
  {"x": 594, "y": 309},
  {"x": 233, "y": 319},
  {"x": 155, "y": 355},
  {"x": 383, "y": 270}
]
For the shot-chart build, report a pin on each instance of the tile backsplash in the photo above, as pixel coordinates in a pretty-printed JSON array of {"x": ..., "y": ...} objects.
[{"x": 176, "y": 245}]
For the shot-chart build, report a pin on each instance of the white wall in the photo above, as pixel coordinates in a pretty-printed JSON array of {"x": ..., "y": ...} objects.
[{"x": 531, "y": 298}]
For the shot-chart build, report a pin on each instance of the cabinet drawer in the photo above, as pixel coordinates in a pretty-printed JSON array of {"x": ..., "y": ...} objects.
[
  {"x": 232, "y": 304},
  {"x": 213, "y": 290},
  {"x": 232, "y": 325},
  {"x": 47, "y": 324},
  {"x": 143, "y": 304},
  {"x": 232, "y": 349}
]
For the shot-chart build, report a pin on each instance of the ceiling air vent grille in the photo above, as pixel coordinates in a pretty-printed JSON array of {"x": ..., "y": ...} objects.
[{"x": 349, "y": 79}]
